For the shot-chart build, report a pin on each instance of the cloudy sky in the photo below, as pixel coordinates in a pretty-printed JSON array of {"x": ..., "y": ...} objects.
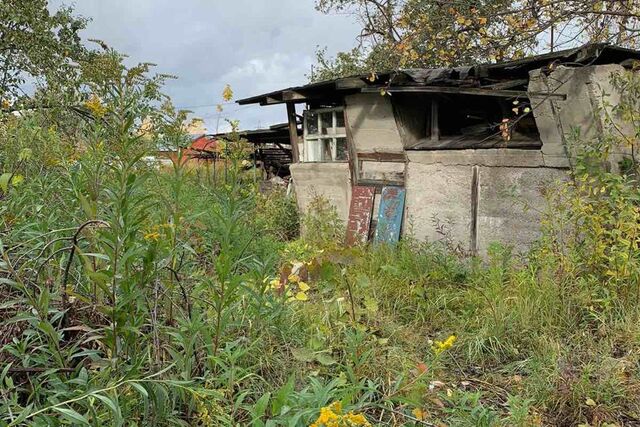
[{"x": 254, "y": 45}]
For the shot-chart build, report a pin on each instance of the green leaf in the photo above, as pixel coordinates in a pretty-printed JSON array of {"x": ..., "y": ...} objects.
[
  {"x": 4, "y": 181},
  {"x": 371, "y": 304},
  {"x": 23, "y": 415},
  {"x": 25, "y": 154},
  {"x": 282, "y": 396},
  {"x": 260, "y": 407},
  {"x": 303, "y": 354},
  {"x": 325, "y": 359},
  {"x": 115, "y": 408},
  {"x": 71, "y": 415},
  {"x": 141, "y": 390}
]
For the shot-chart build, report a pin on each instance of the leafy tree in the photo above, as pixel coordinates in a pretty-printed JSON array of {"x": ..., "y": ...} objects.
[
  {"x": 36, "y": 45},
  {"x": 424, "y": 33}
]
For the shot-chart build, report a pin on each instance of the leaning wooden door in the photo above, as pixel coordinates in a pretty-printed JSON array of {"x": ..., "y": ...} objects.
[
  {"x": 390, "y": 215},
  {"x": 360, "y": 214}
]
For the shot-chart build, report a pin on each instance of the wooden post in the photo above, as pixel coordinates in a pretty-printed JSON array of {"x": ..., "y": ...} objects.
[
  {"x": 435, "y": 126},
  {"x": 475, "y": 202},
  {"x": 293, "y": 131}
]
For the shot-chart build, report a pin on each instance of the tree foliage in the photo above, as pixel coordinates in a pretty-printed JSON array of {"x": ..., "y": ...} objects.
[
  {"x": 36, "y": 45},
  {"x": 428, "y": 33}
]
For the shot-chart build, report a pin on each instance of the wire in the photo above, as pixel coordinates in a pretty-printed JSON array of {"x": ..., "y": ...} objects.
[{"x": 186, "y": 107}]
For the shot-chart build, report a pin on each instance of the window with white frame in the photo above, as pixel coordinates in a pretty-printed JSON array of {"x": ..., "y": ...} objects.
[{"x": 325, "y": 135}]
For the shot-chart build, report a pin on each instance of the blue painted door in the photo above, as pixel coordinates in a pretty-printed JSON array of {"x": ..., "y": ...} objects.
[{"x": 390, "y": 215}]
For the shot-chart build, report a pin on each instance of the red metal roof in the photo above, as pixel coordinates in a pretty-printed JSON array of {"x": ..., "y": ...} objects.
[{"x": 204, "y": 143}]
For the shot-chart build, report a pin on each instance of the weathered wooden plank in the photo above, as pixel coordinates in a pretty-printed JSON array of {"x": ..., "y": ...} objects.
[
  {"x": 460, "y": 144},
  {"x": 507, "y": 84},
  {"x": 390, "y": 215},
  {"x": 360, "y": 214},
  {"x": 293, "y": 131},
  {"x": 464, "y": 91},
  {"x": 435, "y": 121},
  {"x": 379, "y": 183},
  {"x": 350, "y": 83},
  {"x": 291, "y": 95}
]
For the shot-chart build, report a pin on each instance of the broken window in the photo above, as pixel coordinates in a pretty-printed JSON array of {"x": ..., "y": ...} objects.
[
  {"x": 454, "y": 121},
  {"x": 325, "y": 136}
]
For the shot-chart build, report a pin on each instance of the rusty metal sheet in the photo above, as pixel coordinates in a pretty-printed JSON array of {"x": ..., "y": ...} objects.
[
  {"x": 360, "y": 214},
  {"x": 390, "y": 215}
]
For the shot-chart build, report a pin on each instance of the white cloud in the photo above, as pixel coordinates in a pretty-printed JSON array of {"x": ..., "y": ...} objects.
[{"x": 255, "y": 45}]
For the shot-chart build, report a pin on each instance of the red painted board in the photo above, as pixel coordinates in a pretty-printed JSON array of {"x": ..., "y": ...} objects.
[{"x": 360, "y": 214}]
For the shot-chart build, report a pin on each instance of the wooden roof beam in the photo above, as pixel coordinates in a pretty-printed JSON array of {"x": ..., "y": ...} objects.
[
  {"x": 464, "y": 91},
  {"x": 291, "y": 95}
]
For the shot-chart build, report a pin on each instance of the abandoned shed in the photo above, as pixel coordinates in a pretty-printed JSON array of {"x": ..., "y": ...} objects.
[
  {"x": 463, "y": 151},
  {"x": 272, "y": 151}
]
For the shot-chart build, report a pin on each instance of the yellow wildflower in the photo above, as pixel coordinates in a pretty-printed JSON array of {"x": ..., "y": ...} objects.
[
  {"x": 419, "y": 414},
  {"x": 440, "y": 346},
  {"x": 303, "y": 286},
  {"x": 332, "y": 416},
  {"x": 95, "y": 106},
  {"x": 154, "y": 236},
  {"x": 294, "y": 278},
  {"x": 355, "y": 419},
  {"x": 301, "y": 296},
  {"x": 227, "y": 93},
  {"x": 17, "y": 180},
  {"x": 6, "y": 104},
  {"x": 275, "y": 284}
]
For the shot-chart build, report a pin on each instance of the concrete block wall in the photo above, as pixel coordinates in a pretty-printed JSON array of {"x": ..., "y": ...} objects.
[
  {"x": 438, "y": 194},
  {"x": 510, "y": 196},
  {"x": 583, "y": 114},
  {"x": 329, "y": 180},
  {"x": 372, "y": 124}
]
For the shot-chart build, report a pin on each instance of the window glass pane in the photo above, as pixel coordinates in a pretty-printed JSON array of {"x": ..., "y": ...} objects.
[
  {"x": 311, "y": 120},
  {"x": 326, "y": 123},
  {"x": 341, "y": 148},
  {"x": 312, "y": 150},
  {"x": 339, "y": 119},
  {"x": 325, "y": 144}
]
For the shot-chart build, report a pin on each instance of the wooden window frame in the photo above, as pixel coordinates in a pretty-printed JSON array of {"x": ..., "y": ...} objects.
[{"x": 333, "y": 136}]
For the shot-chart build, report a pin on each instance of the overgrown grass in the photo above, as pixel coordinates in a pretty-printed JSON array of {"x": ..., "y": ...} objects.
[{"x": 141, "y": 296}]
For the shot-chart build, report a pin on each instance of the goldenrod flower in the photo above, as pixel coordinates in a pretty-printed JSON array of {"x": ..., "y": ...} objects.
[
  {"x": 154, "y": 236},
  {"x": 227, "y": 93},
  {"x": 440, "y": 346},
  {"x": 418, "y": 413},
  {"x": 331, "y": 416},
  {"x": 95, "y": 106}
]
